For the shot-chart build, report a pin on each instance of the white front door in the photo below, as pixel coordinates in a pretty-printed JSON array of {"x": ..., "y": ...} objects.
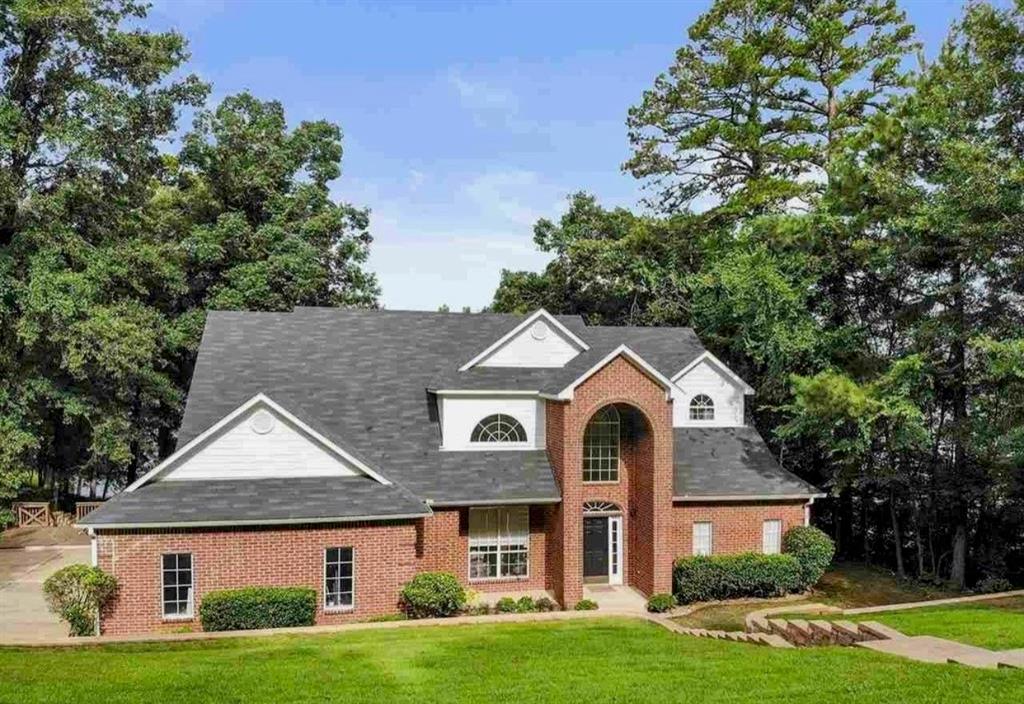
[{"x": 615, "y": 550}]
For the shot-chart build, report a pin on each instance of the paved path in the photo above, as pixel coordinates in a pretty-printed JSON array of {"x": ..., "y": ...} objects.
[
  {"x": 42, "y": 537},
  {"x": 23, "y": 612}
]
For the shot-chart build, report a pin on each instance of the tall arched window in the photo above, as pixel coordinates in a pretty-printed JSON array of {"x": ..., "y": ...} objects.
[
  {"x": 498, "y": 428},
  {"x": 601, "y": 447},
  {"x": 702, "y": 408}
]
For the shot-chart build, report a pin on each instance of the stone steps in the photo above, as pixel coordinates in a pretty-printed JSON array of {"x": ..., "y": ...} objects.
[{"x": 802, "y": 633}]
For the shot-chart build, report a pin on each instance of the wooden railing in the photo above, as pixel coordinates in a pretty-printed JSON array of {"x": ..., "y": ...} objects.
[
  {"x": 33, "y": 513},
  {"x": 84, "y": 508}
]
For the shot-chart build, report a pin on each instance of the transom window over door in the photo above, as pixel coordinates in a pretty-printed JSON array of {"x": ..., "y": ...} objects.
[
  {"x": 498, "y": 428},
  {"x": 702, "y": 408},
  {"x": 499, "y": 542},
  {"x": 177, "y": 585},
  {"x": 601, "y": 447}
]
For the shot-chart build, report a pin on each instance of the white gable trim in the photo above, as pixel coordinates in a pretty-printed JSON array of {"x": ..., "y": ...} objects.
[
  {"x": 707, "y": 356},
  {"x": 532, "y": 318},
  {"x": 258, "y": 399},
  {"x": 566, "y": 394}
]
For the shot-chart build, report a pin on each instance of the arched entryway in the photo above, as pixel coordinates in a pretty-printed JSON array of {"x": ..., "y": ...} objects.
[{"x": 616, "y": 476}]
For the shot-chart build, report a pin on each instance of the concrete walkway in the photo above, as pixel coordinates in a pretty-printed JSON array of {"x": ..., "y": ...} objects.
[
  {"x": 618, "y": 598},
  {"x": 23, "y": 612},
  {"x": 36, "y": 537}
]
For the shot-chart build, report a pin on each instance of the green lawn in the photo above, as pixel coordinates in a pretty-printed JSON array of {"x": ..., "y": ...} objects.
[
  {"x": 997, "y": 624},
  {"x": 605, "y": 660}
]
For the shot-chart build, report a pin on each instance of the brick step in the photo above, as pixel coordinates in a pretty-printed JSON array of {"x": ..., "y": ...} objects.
[{"x": 879, "y": 630}]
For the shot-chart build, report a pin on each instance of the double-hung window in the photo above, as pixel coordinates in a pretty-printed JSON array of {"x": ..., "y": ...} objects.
[
  {"x": 339, "y": 579},
  {"x": 178, "y": 584},
  {"x": 703, "y": 537},
  {"x": 499, "y": 543},
  {"x": 771, "y": 537}
]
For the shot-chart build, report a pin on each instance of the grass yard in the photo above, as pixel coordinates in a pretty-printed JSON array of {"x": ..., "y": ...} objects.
[
  {"x": 605, "y": 660},
  {"x": 846, "y": 585},
  {"x": 997, "y": 624}
]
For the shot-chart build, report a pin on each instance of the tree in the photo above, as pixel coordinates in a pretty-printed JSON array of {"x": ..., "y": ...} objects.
[{"x": 752, "y": 109}]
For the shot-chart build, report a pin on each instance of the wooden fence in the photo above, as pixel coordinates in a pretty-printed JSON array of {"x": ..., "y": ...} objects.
[
  {"x": 33, "y": 513},
  {"x": 84, "y": 508}
]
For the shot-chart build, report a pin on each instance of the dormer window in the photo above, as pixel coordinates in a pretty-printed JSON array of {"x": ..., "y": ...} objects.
[
  {"x": 702, "y": 408},
  {"x": 498, "y": 428}
]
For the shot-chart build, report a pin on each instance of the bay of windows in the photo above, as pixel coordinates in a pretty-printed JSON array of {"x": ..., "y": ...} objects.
[{"x": 499, "y": 542}]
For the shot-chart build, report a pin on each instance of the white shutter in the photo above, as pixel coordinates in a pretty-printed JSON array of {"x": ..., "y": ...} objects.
[
  {"x": 702, "y": 538},
  {"x": 771, "y": 537}
]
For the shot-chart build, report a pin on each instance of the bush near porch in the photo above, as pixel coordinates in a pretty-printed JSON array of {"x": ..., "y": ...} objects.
[{"x": 711, "y": 578}]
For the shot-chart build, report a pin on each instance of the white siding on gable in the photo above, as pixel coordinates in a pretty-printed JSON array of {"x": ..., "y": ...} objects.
[
  {"x": 460, "y": 414},
  {"x": 259, "y": 445},
  {"x": 707, "y": 378},
  {"x": 538, "y": 345}
]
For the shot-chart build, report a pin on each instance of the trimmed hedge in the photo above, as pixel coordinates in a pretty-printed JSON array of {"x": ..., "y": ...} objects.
[
  {"x": 76, "y": 593},
  {"x": 432, "y": 595},
  {"x": 812, "y": 548},
  {"x": 749, "y": 574},
  {"x": 258, "y": 607}
]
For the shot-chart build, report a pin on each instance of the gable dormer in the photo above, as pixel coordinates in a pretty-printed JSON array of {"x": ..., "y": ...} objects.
[
  {"x": 538, "y": 341},
  {"x": 708, "y": 394}
]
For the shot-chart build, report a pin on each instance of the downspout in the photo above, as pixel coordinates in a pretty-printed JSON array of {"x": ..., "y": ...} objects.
[{"x": 807, "y": 511}]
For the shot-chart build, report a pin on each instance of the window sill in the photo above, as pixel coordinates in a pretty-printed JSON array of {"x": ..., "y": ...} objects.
[
  {"x": 604, "y": 483},
  {"x": 493, "y": 580},
  {"x": 178, "y": 619},
  {"x": 339, "y": 609}
]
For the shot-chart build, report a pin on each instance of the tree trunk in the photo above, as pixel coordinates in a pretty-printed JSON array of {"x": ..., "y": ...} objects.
[
  {"x": 958, "y": 569},
  {"x": 915, "y": 518},
  {"x": 901, "y": 571}
]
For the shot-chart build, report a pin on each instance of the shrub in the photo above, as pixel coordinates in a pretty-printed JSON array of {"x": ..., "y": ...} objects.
[
  {"x": 812, "y": 548},
  {"x": 660, "y": 603},
  {"x": 525, "y": 605},
  {"x": 387, "y": 618},
  {"x": 76, "y": 593},
  {"x": 506, "y": 605},
  {"x": 586, "y": 605},
  {"x": 992, "y": 585},
  {"x": 545, "y": 604},
  {"x": 258, "y": 607},
  {"x": 733, "y": 576},
  {"x": 433, "y": 594},
  {"x": 478, "y": 610}
]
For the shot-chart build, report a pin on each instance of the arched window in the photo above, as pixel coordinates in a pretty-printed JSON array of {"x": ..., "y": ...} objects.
[
  {"x": 702, "y": 408},
  {"x": 498, "y": 428},
  {"x": 601, "y": 447}
]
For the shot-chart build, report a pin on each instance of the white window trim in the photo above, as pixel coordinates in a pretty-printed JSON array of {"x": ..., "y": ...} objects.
[
  {"x": 339, "y": 609},
  {"x": 710, "y": 405},
  {"x": 764, "y": 536},
  {"x": 191, "y": 594},
  {"x": 711, "y": 538},
  {"x": 500, "y": 444},
  {"x": 469, "y": 548}
]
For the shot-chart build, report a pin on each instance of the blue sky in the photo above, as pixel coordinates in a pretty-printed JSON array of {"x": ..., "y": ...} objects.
[{"x": 463, "y": 122}]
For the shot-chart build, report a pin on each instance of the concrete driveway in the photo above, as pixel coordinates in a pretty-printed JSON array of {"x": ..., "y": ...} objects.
[{"x": 23, "y": 612}]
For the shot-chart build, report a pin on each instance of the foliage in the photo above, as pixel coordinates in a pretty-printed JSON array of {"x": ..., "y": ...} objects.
[
  {"x": 76, "y": 593},
  {"x": 525, "y": 605},
  {"x": 544, "y": 604},
  {"x": 258, "y": 607},
  {"x": 993, "y": 585},
  {"x": 660, "y": 603},
  {"x": 506, "y": 605},
  {"x": 111, "y": 251},
  {"x": 433, "y": 595},
  {"x": 812, "y": 548},
  {"x": 708, "y": 578},
  {"x": 585, "y": 605}
]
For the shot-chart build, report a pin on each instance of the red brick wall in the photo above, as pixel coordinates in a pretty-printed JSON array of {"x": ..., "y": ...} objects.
[
  {"x": 385, "y": 557},
  {"x": 446, "y": 547},
  {"x": 737, "y": 527},
  {"x": 648, "y": 466}
]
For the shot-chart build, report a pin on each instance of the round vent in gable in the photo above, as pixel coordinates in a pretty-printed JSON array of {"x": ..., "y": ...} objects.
[
  {"x": 540, "y": 330},
  {"x": 262, "y": 422}
]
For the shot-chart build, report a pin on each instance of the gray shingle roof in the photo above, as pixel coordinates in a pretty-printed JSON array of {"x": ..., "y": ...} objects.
[
  {"x": 730, "y": 462},
  {"x": 361, "y": 378},
  {"x": 237, "y": 502}
]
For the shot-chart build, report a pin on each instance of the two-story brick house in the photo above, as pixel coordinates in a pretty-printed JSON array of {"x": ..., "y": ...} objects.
[{"x": 347, "y": 450}]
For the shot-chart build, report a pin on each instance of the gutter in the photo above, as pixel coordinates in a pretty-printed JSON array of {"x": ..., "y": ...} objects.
[
  {"x": 252, "y": 522},
  {"x": 748, "y": 497},
  {"x": 493, "y": 502}
]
